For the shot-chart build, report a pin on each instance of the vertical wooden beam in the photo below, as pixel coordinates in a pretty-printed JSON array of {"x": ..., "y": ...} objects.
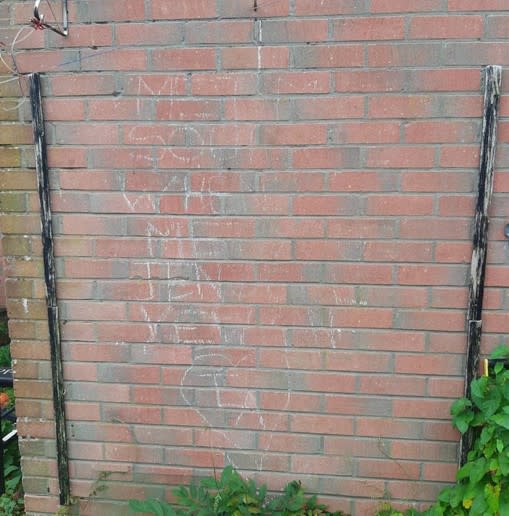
[
  {"x": 492, "y": 83},
  {"x": 41, "y": 164}
]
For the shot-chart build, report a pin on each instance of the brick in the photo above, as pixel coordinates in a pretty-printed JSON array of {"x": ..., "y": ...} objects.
[
  {"x": 328, "y": 56},
  {"x": 188, "y": 110},
  {"x": 220, "y": 135},
  {"x": 431, "y": 275},
  {"x": 116, "y": 109},
  {"x": 398, "y": 252},
  {"x": 422, "y": 408},
  {"x": 446, "y": 27},
  {"x": 404, "y": 54},
  {"x": 261, "y": 57},
  {"x": 223, "y": 84},
  {"x": 183, "y": 9},
  {"x": 433, "y": 182},
  {"x": 256, "y": 109},
  {"x": 302, "y": 134},
  {"x": 97, "y": 11},
  {"x": 368, "y": 29},
  {"x": 458, "y": 79},
  {"x": 459, "y": 156},
  {"x": 431, "y": 320},
  {"x": 410, "y": 106},
  {"x": 362, "y": 81},
  {"x": 321, "y": 424},
  {"x": 333, "y": 7},
  {"x": 314, "y": 108},
  {"x": 82, "y": 84},
  {"x": 385, "y": 384},
  {"x": 477, "y": 5},
  {"x": 361, "y": 228},
  {"x": 114, "y": 59},
  {"x": 296, "y": 82},
  {"x": 46, "y": 61},
  {"x": 145, "y": 181},
  {"x": 141, "y": 34},
  {"x": 468, "y": 52},
  {"x": 324, "y": 205},
  {"x": 428, "y": 365},
  {"x": 218, "y": 32},
  {"x": 157, "y": 134},
  {"x": 154, "y": 84},
  {"x": 363, "y": 273},
  {"x": 399, "y": 205},
  {"x": 328, "y": 157},
  {"x": 259, "y": 294},
  {"x": 87, "y": 134},
  {"x": 322, "y": 250},
  {"x": 497, "y": 26},
  {"x": 400, "y": 157},
  {"x": 441, "y": 132},
  {"x": 290, "y": 182},
  {"x": 85, "y": 36},
  {"x": 244, "y": 8},
  {"x": 400, "y": 6},
  {"x": 436, "y": 229},
  {"x": 389, "y": 469},
  {"x": 117, "y": 157},
  {"x": 295, "y": 31},
  {"x": 15, "y": 134},
  {"x": 184, "y": 59},
  {"x": 11, "y": 157},
  {"x": 309, "y": 464},
  {"x": 367, "y": 132}
]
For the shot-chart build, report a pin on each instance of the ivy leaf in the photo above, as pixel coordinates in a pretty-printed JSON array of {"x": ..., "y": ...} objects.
[
  {"x": 209, "y": 482},
  {"x": 461, "y": 411},
  {"x": 504, "y": 500},
  {"x": 501, "y": 420},
  {"x": 479, "y": 469},
  {"x": 464, "y": 471},
  {"x": 500, "y": 352}
]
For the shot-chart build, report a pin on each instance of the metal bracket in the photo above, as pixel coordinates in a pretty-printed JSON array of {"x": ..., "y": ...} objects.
[{"x": 38, "y": 20}]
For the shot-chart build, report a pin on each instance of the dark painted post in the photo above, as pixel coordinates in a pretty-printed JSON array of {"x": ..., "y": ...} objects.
[
  {"x": 41, "y": 164},
  {"x": 492, "y": 83}
]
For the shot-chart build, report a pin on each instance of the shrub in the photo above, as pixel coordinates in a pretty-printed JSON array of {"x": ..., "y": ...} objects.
[
  {"x": 232, "y": 495},
  {"x": 482, "y": 484}
]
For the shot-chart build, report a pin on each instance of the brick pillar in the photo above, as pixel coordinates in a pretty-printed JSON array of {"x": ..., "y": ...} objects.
[{"x": 24, "y": 286}]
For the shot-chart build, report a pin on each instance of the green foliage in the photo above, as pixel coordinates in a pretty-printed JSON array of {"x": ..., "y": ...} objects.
[
  {"x": 232, "y": 495},
  {"x": 11, "y": 501},
  {"x": 482, "y": 484},
  {"x": 387, "y": 510}
]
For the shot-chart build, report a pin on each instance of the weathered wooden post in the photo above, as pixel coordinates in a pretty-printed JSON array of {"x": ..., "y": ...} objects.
[
  {"x": 492, "y": 83},
  {"x": 41, "y": 165}
]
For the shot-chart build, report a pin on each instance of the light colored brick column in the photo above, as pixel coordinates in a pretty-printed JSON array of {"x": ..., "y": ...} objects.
[{"x": 24, "y": 286}]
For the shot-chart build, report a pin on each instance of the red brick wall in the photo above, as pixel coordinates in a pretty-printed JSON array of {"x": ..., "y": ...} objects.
[{"x": 262, "y": 226}]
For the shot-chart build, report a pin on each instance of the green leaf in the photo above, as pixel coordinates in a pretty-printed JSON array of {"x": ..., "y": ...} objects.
[
  {"x": 501, "y": 351},
  {"x": 503, "y": 461},
  {"x": 209, "y": 482},
  {"x": 152, "y": 506},
  {"x": 479, "y": 469},
  {"x": 486, "y": 434},
  {"x": 501, "y": 420},
  {"x": 464, "y": 472}
]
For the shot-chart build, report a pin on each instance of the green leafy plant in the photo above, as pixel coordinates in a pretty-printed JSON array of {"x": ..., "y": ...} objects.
[
  {"x": 11, "y": 501},
  {"x": 387, "y": 510},
  {"x": 482, "y": 484},
  {"x": 232, "y": 495}
]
